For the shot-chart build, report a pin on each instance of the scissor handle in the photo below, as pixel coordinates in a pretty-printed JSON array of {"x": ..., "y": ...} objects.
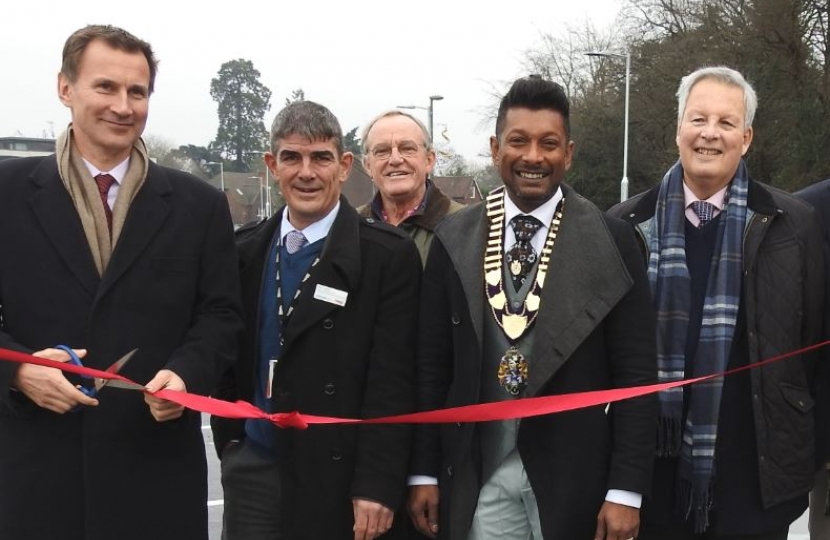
[{"x": 73, "y": 359}]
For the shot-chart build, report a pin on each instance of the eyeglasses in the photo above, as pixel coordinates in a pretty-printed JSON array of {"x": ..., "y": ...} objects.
[{"x": 405, "y": 149}]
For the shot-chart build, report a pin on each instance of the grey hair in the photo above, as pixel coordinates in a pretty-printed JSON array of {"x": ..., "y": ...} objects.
[
  {"x": 724, "y": 75},
  {"x": 306, "y": 119},
  {"x": 365, "y": 133}
]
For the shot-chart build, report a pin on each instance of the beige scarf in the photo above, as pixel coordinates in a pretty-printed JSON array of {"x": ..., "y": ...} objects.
[{"x": 84, "y": 192}]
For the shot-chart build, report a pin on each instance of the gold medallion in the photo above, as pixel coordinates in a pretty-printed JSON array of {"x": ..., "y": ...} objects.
[
  {"x": 515, "y": 268},
  {"x": 513, "y": 371}
]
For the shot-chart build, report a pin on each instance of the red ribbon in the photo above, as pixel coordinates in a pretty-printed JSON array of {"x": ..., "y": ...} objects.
[{"x": 503, "y": 410}]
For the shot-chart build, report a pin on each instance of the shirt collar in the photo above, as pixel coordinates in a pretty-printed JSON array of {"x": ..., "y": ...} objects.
[
  {"x": 377, "y": 204},
  {"x": 315, "y": 231},
  {"x": 543, "y": 213},
  {"x": 717, "y": 199},
  {"x": 118, "y": 172}
]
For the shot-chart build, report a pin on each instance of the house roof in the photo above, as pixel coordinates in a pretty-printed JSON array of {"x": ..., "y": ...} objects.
[{"x": 455, "y": 187}]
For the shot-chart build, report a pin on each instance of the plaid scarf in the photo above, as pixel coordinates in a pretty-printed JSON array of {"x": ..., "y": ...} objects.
[{"x": 670, "y": 283}]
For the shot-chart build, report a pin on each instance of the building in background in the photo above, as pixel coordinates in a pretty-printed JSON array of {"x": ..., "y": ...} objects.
[{"x": 14, "y": 147}]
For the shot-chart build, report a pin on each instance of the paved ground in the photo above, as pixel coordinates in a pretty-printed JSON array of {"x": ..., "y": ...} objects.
[
  {"x": 214, "y": 486},
  {"x": 798, "y": 531}
]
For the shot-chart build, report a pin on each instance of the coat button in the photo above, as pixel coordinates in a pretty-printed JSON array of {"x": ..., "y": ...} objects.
[
  {"x": 456, "y": 320},
  {"x": 329, "y": 389},
  {"x": 336, "y": 456},
  {"x": 328, "y": 324},
  {"x": 370, "y": 220}
]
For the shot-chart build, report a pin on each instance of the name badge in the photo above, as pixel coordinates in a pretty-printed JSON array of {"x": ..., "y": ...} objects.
[{"x": 330, "y": 295}]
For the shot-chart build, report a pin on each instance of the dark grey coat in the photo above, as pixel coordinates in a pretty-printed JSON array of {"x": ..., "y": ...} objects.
[{"x": 595, "y": 330}]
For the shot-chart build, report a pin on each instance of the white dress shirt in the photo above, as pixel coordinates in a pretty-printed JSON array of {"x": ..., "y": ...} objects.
[{"x": 118, "y": 172}]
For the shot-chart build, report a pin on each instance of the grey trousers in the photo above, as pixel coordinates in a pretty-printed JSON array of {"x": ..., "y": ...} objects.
[
  {"x": 507, "y": 507},
  {"x": 254, "y": 496},
  {"x": 819, "y": 523}
]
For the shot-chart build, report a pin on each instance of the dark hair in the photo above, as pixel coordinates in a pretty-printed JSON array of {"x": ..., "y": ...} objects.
[
  {"x": 306, "y": 119},
  {"x": 115, "y": 37},
  {"x": 535, "y": 93}
]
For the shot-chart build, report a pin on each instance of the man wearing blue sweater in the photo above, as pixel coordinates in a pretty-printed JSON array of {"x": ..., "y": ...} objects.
[{"x": 331, "y": 305}]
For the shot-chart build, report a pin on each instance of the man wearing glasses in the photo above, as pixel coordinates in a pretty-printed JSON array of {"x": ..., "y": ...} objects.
[{"x": 399, "y": 157}]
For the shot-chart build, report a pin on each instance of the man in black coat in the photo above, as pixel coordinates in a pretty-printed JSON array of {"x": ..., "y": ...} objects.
[
  {"x": 139, "y": 257},
  {"x": 330, "y": 303},
  {"x": 818, "y": 195},
  {"x": 737, "y": 272},
  {"x": 505, "y": 314}
]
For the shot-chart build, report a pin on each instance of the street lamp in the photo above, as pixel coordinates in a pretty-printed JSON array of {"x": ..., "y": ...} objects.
[
  {"x": 267, "y": 184},
  {"x": 432, "y": 100},
  {"x": 221, "y": 172},
  {"x": 262, "y": 205},
  {"x": 627, "y": 56}
]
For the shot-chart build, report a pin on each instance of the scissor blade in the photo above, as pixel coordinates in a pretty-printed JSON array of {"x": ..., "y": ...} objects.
[
  {"x": 115, "y": 368},
  {"x": 115, "y": 383}
]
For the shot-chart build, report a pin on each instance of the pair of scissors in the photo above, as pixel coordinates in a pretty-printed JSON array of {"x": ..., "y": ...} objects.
[{"x": 99, "y": 383}]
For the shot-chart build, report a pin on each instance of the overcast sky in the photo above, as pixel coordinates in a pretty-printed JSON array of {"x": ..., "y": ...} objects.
[{"x": 357, "y": 57}]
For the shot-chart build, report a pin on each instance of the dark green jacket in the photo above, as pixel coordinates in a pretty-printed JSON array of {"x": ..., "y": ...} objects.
[{"x": 420, "y": 225}]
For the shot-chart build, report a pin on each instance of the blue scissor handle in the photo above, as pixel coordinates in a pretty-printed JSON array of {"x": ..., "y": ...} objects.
[{"x": 73, "y": 359}]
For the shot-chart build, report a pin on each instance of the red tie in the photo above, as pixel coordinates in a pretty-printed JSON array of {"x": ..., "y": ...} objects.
[{"x": 104, "y": 182}]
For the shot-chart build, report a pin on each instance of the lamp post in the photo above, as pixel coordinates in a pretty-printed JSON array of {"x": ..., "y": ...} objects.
[
  {"x": 430, "y": 110},
  {"x": 262, "y": 204},
  {"x": 267, "y": 185},
  {"x": 221, "y": 172},
  {"x": 627, "y": 56}
]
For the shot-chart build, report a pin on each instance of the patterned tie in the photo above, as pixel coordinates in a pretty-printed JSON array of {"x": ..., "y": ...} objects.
[
  {"x": 294, "y": 241},
  {"x": 104, "y": 182},
  {"x": 521, "y": 257},
  {"x": 705, "y": 212}
]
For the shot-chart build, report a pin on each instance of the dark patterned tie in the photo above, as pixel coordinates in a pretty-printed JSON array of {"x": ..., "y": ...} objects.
[
  {"x": 294, "y": 241},
  {"x": 105, "y": 182},
  {"x": 521, "y": 257},
  {"x": 705, "y": 212}
]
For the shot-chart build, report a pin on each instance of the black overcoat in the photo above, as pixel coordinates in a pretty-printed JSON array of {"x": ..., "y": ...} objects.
[
  {"x": 595, "y": 330},
  {"x": 171, "y": 290},
  {"x": 352, "y": 361}
]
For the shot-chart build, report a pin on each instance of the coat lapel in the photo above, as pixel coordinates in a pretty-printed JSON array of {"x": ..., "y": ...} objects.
[
  {"x": 148, "y": 212},
  {"x": 586, "y": 279},
  {"x": 464, "y": 235},
  {"x": 339, "y": 268},
  {"x": 54, "y": 210}
]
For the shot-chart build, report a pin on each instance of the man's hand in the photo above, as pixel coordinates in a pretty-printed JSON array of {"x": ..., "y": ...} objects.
[
  {"x": 48, "y": 387},
  {"x": 371, "y": 519},
  {"x": 617, "y": 522},
  {"x": 161, "y": 409},
  {"x": 423, "y": 509}
]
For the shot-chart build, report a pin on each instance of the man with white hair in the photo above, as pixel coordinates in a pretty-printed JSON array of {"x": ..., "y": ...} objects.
[
  {"x": 737, "y": 276},
  {"x": 399, "y": 157}
]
